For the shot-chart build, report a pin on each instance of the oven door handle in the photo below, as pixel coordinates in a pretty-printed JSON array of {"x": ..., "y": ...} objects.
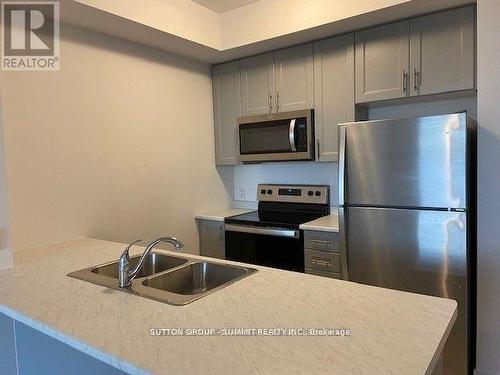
[
  {"x": 291, "y": 135},
  {"x": 277, "y": 232}
]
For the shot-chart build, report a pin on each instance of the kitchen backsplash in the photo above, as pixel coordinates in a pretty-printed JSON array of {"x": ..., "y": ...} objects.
[{"x": 247, "y": 177}]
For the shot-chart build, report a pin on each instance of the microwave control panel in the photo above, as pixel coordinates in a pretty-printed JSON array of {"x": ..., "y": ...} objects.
[{"x": 301, "y": 134}]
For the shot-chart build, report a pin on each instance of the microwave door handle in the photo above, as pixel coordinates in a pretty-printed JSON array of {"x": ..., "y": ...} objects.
[{"x": 291, "y": 135}]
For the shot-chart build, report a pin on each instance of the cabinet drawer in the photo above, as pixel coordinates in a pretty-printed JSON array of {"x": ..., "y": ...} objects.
[
  {"x": 331, "y": 275},
  {"x": 324, "y": 241},
  {"x": 322, "y": 261}
]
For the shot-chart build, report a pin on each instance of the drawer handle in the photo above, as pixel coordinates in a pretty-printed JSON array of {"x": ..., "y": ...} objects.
[
  {"x": 323, "y": 242},
  {"x": 321, "y": 262}
]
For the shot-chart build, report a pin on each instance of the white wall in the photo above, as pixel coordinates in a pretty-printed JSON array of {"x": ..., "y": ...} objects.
[
  {"x": 182, "y": 18},
  {"x": 488, "y": 345},
  {"x": 5, "y": 249},
  {"x": 268, "y": 19},
  {"x": 247, "y": 177},
  {"x": 189, "y": 29},
  {"x": 117, "y": 145}
]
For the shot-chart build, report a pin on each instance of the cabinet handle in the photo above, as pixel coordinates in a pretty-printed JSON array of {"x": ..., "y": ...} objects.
[
  {"x": 277, "y": 101},
  {"x": 416, "y": 79},
  {"x": 404, "y": 80},
  {"x": 321, "y": 262},
  {"x": 322, "y": 242},
  {"x": 319, "y": 153},
  {"x": 270, "y": 102}
]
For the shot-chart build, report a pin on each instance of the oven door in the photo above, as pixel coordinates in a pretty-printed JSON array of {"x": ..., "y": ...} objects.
[
  {"x": 276, "y": 137},
  {"x": 272, "y": 247}
]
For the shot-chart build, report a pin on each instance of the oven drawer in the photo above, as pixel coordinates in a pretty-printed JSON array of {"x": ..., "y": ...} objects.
[
  {"x": 322, "y": 261},
  {"x": 324, "y": 241},
  {"x": 332, "y": 275},
  {"x": 270, "y": 247}
]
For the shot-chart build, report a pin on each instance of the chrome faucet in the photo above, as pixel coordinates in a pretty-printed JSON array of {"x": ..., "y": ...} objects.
[{"x": 125, "y": 274}]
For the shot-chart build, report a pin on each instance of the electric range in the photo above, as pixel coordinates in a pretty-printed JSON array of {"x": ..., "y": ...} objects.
[{"x": 271, "y": 236}]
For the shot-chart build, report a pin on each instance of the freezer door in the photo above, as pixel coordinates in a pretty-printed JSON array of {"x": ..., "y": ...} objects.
[
  {"x": 417, "y": 251},
  {"x": 419, "y": 162}
]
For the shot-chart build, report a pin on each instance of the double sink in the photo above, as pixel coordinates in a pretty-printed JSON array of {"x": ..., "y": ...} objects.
[{"x": 169, "y": 279}]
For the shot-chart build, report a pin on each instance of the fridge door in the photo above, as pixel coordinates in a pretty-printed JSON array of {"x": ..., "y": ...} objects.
[
  {"x": 418, "y": 162},
  {"x": 419, "y": 251}
]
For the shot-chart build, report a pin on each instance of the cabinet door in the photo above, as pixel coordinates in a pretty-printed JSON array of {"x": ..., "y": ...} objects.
[
  {"x": 8, "y": 363},
  {"x": 382, "y": 62},
  {"x": 227, "y": 108},
  {"x": 294, "y": 78},
  {"x": 333, "y": 92},
  {"x": 442, "y": 52},
  {"x": 257, "y": 84},
  {"x": 38, "y": 353},
  {"x": 212, "y": 239}
]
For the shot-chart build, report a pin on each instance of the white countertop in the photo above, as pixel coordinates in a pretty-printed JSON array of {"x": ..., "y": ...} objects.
[
  {"x": 328, "y": 223},
  {"x": 221, "y": 214},
  {"x": 392, "y": 332}
]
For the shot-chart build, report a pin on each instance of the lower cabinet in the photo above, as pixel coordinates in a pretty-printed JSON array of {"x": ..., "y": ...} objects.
[
  {"x": 27, "y": 351},
  {"x": 322, "y": 256},
  {"x": 212, "y": 239},
  {"x": 8, "y": 363}
]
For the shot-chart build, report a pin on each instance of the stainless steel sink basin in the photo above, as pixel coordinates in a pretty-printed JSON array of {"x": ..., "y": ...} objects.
[
  {"x": 154, "y": 263},
  {"x": 196, "y": 278},
  {"x": 170, "y": 279}
]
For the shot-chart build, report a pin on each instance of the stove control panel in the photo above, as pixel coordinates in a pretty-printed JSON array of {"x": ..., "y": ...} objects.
[{"x": 318, "y": 194}]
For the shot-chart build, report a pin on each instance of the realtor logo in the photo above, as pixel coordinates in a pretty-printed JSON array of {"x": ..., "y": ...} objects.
[{"x": 30, "y": 35}]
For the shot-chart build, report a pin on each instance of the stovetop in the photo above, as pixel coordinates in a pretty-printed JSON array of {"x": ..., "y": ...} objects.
[{"x": 282, "y": 215}]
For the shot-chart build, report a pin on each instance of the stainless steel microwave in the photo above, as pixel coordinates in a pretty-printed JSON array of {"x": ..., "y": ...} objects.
[{"x": 277, "y": 137}]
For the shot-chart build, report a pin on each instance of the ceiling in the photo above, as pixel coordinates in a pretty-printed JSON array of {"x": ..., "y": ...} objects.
[{"x": 221, "y": 6}]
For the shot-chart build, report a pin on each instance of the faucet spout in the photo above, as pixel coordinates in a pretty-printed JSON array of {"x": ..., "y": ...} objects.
[{"x": 125, "y": 274}]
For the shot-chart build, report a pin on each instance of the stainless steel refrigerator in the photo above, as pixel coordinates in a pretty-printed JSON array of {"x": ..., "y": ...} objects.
[{"x": 407, "y": 213}]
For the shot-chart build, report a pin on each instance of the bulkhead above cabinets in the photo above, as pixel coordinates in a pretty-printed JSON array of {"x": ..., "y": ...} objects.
[{"x": 431, "y": 54}]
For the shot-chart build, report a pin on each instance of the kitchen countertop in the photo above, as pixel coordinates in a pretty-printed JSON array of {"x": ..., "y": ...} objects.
[
  {"x": 392, "y": 332},
  {"x": 328, "y": 223},
  {"x": 220, "y": 215}
]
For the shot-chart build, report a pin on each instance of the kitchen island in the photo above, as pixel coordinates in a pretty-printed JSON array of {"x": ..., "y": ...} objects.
[{"x": 390, "y": 332}]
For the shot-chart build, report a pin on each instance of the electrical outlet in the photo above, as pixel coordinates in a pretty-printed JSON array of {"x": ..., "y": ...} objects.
[{"x": 242, "y": 194}]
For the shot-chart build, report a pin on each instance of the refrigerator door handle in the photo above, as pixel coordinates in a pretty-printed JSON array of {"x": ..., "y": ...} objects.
[
  {"x": 343, "y": 243},
  {"x": 342, "y": 149}
]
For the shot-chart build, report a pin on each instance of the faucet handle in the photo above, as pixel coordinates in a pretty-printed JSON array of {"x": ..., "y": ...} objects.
[{"x": 125, "y": 252}]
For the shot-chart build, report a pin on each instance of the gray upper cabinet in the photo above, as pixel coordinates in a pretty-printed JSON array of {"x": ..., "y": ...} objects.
[
  {"x": 382, "y": 61},
  {"x": 442, "y": 52},
  {"x": 227, "y": 108},
  {"x": 294, "y": 78},
  {"x": 257, "y": 84},
  {"x": 425, "y": 55},
  {"x": 333, "y": 92},
  {"x": 277, "y": 82}
]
